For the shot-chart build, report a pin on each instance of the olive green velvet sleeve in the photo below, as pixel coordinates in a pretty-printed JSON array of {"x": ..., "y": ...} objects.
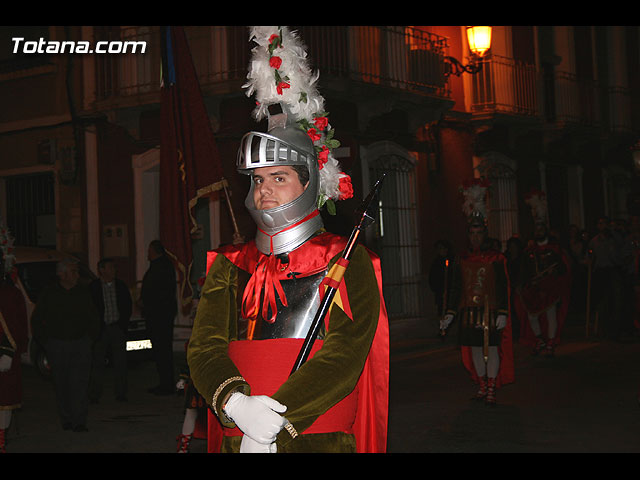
[
  {"x": 213, "y": 373},
  {"x": 334, "y": 370}
]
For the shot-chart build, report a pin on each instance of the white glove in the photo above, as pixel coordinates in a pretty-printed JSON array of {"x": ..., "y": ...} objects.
[
  {"x": 446, "y": 321},
  {"x": 5, "y": 363},
  {"x": 256, "y": 415},
  {"x": 249, "y": 445},
  {"x": 501, "y": 322}
]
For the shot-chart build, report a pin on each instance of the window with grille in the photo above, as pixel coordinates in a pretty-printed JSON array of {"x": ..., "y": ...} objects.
[
  {"x": 503, "y": 196},
  {"x": 397, "y": 240},
  {"x": 30, "y": 209}
]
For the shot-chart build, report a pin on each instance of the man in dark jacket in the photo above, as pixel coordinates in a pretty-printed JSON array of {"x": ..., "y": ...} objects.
[
  {"x": 113, "y": 301},
  {"x": 66, "y": 322},
  {"x": 159, "y": 307}
]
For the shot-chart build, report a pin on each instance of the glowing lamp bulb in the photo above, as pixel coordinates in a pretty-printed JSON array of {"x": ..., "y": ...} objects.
[{"x": 479, "y": 40}]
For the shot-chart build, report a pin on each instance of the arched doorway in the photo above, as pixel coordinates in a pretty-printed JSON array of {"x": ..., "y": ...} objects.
[{"x": 396, "y": 235}]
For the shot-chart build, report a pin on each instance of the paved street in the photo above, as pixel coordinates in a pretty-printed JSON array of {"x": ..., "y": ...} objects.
[{"x": 583, "y": 400}]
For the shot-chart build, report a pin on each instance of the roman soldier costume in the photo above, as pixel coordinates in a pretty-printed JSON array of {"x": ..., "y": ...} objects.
[
  {"x": 338, "y": 400},
  {"x": 13, "y": 336},
  {"x": 543, "y": 299},
  {"x": 479, "y": 301}
]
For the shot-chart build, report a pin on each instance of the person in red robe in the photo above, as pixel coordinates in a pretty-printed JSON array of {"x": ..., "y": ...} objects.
[
  {"x": 13, "y": 338},
  {"x": 479, "y": 300},
  {"x": 543, "y": 298}
]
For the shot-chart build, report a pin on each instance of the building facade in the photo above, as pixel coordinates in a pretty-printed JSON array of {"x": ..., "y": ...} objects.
[{"x": 553, "y": 108}]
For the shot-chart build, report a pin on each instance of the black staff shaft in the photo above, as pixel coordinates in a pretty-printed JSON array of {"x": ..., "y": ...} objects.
[{"x": 366, "y": 218}]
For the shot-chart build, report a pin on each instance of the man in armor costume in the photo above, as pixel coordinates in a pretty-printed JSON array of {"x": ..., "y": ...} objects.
[
  {"x": 479, "y": 299},
  {"x": 242, "y": 364},
  {"x": 13, "y": 337},
  {"x": 543, "y": 298}
]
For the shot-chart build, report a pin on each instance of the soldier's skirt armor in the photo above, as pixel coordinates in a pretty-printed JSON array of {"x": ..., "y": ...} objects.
[{"x": 478, "y": 296}]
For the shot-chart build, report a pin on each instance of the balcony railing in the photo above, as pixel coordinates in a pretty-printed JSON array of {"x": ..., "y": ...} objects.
[
  {"x": 509, "y": 87},
  {"x": 505, "y": 85},
  {"x": 588, "y": 103},
  {"x": 215, "y": 52},
  {"x": 396, "y": 57},
  {"x": 576, "y": 101}
]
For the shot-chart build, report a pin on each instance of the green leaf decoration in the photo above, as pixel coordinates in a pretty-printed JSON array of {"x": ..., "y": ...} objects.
[{"x": 331, "y": 207}]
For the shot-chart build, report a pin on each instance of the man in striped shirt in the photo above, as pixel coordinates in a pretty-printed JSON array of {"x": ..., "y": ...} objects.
[{"x": 113, "y": 300}]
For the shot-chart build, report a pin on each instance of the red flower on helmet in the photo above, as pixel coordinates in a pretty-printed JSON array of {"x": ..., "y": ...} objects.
[
  {"x": 275, "y": 62},
  {"x": 345, "y": 187},
  {"x": 323, "y": 157},
  {"x": 321, "y": 122},
  {"x": 313, "y": 134},
  {"x": 281, "y": 86}
]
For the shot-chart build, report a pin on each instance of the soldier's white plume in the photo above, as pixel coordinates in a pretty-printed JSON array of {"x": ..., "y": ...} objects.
[
  {"x": 297, "y": 87},
  {"x": 279, "y": 73}
]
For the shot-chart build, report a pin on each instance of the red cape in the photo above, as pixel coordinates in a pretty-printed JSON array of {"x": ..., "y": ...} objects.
[
  {"x": 506, "y": 374},
  {"x": 370, "y": 426}
]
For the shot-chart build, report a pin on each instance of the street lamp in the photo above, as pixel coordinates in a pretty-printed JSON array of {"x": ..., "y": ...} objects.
[{"x": 479, "y": 38}]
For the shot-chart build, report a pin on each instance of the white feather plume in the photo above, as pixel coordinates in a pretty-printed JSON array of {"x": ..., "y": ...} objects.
[
  {"x": 295, "y": 67},
  {"x": 301, "y": 95},
  {"x": 475, "y": 200}
]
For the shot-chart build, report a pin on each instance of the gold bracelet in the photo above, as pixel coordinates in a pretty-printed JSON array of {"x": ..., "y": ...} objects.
[
  {"x": 292, "y": 431},
  {"x": 221, "y": 387}
]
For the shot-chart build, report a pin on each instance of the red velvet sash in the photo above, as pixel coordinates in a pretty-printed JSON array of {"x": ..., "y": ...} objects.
[{"x": 266, "y": 364}]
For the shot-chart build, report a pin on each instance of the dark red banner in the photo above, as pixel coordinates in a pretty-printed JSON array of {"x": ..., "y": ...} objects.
[{"x": 190, "y": 165}]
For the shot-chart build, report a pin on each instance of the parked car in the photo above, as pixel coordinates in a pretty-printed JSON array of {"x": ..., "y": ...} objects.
[{"x": 36, "y": 268}]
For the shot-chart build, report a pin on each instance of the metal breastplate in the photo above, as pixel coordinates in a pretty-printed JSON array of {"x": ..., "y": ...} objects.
[
  {"x": 294, "y": 320},
  {"x": 478, "y": 284}
]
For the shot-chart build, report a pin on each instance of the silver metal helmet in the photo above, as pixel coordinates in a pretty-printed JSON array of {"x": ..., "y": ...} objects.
[{"x": 284, "y": 144}]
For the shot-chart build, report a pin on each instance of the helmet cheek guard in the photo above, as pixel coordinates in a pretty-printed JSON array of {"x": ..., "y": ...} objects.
[{"x": 287, "y": 146}]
